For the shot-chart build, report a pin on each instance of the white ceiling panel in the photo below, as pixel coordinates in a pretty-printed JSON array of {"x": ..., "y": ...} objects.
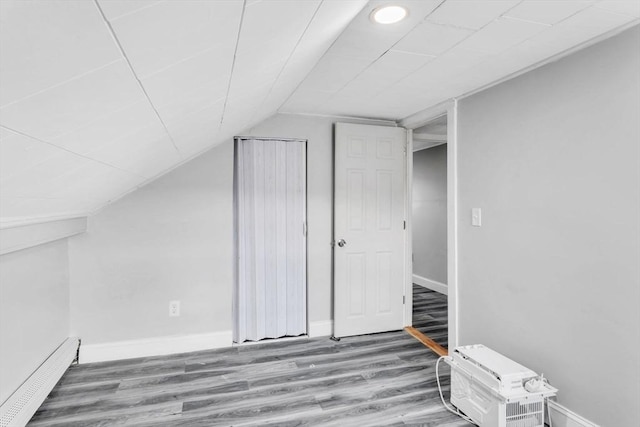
[
  {"x": 333, "y": 73},
  {"x": 38, "y": 180},
  {"x": 194, "y": 83},
  {"x": 432, "y": 39},
  {"x": 116, "y": 8},
  {"x": 106, "y": 98},
  {"x": 366, "y": 40},
  {"x": 443, "y": 69},
  {"x": 94, "y": 182},
  {"x": 106, "y": 128},
  {"x": 40, "y": 45},
  {"x": 245, "y": 82},
  {"x": 138, "y": 151},
  {"x": 268, "y": 24},
  {"x": 548, "y": 12},
  {"x": 196, "y": 126},
  {"x": 390, "y": 68},
  {"x": 581, "y": 27},
  {"x": 307, "y": 100},
  {"x": 158, "y": 36},
  {"x": 73, "y": 104},
  {"x": 502, "y": 34},
  {"x": 19, "y": 152},
  {"x": 625, "y": 7},
  {"x": 473, "y": 14}
]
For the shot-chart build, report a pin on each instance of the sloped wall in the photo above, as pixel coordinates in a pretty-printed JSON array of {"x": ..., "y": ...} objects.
[{"x": 170, "y": 240}]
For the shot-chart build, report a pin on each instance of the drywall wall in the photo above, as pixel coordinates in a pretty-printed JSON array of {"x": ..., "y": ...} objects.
[
  {"x": 429, "y": 221},
  {"x": 552, "y": 277},
  {"x": 34, "y": 310},
  {"x": 173, "y": 240},
  {"x": 170, "y": 240}
]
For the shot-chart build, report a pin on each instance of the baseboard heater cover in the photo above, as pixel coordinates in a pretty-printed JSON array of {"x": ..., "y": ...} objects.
[{"x": 18, "y": 409}]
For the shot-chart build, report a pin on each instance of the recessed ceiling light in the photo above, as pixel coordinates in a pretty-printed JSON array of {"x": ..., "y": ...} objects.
[{"x": 388, "y": 14}]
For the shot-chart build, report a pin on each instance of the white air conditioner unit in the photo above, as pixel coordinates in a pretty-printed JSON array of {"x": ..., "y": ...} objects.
[{"x": 495, "y": 391}]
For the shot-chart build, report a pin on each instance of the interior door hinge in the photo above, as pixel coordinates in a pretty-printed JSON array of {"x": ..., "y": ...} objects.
[
  {"x": 304, "y": 228},
  {"x": 404, "y": 225},
  {"x": 403, "y": 299}
]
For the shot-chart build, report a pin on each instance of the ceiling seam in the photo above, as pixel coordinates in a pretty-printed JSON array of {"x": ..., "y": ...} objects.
[
  {"x": 233, "y": 63},
  {"x": 375, "y": 60},
  {"x": 320, "y": 59},
  {"x": 134, "y": 11},
  {"x": 17, "y": 132},
  {"x": 133, "y": 72},
  {"x": 474, "y": 31},
  {"x": 293, "y": 51},
  {"x": 93, "y": 70}
]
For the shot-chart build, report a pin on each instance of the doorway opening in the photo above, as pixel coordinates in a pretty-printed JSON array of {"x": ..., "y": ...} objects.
[{"x": 429, "y": 213}]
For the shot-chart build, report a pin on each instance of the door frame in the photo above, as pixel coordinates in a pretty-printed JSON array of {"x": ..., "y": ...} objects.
[{"x": 450, "y": 108}]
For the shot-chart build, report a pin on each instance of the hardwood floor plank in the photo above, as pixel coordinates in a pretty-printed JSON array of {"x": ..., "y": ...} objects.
[{"x": 382, "y": 379}]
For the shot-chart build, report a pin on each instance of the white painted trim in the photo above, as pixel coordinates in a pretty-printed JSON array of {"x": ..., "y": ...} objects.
[
  {"x": 564, "y": 417},
  {"x": 421, "y": 118},
  {"x": 452, "y": 222},
  {"x": 384, "y": 122},
  {"x": 430, "y": 284},
  {"x": 430, "y": 137},
  {"x": 153, "y": 346},
  {"x": 426, "y": 147},
  {"x": 10, "y": 222},
  {"x": 408, "y": 282},
  {"x": 25, "y": 236},
  {"x": 450, "y": 108},
  {"x": 408, "y": 255},
  {"x": 322, "y": 328}
]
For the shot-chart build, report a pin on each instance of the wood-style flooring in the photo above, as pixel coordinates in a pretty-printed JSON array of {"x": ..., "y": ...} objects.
[
  {"x": 430, "y": 314},
  {"x": 372, "y": 380}
]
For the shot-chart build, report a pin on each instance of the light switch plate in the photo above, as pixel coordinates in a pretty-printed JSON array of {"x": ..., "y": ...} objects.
[{"x": 476, "y": 217}]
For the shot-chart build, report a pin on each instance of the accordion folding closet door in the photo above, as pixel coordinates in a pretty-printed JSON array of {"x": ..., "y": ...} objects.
[{"x": 270, "y": 294}]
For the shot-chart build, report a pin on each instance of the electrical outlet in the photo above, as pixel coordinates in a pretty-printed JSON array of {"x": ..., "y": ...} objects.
[{"x": 174, "y": 308}]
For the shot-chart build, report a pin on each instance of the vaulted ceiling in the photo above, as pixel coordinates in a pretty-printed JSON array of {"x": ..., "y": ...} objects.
[{"x": 100, "y": 97}]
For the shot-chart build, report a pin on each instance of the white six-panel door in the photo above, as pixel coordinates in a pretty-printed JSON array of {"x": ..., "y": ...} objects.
[{"x": 369, "y": 228}]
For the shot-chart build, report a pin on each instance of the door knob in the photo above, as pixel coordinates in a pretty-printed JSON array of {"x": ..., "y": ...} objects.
[{"x": 341, "y": 242}]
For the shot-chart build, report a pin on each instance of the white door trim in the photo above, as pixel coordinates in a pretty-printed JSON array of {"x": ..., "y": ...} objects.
[{"x": 450, "y": 108}]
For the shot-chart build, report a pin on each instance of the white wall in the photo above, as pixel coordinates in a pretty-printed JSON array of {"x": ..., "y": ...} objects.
[
  {"x": 429, "y": 216},
  {"x": 34, "y": 310},
  {"x": 552, "y": 278},
  {"x": 172, "y": 240}
]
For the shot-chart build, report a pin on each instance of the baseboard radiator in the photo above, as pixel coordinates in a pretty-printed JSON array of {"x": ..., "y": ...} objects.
[{"x": 18, "y": 409}]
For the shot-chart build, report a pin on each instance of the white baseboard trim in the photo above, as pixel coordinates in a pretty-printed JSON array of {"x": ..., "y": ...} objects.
[
  {"x": 430, "y": 284},
  {"x": 323, "y": 328},
  {"x": 564, "y": 417},
  {"x": 154, "y": 346}
]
